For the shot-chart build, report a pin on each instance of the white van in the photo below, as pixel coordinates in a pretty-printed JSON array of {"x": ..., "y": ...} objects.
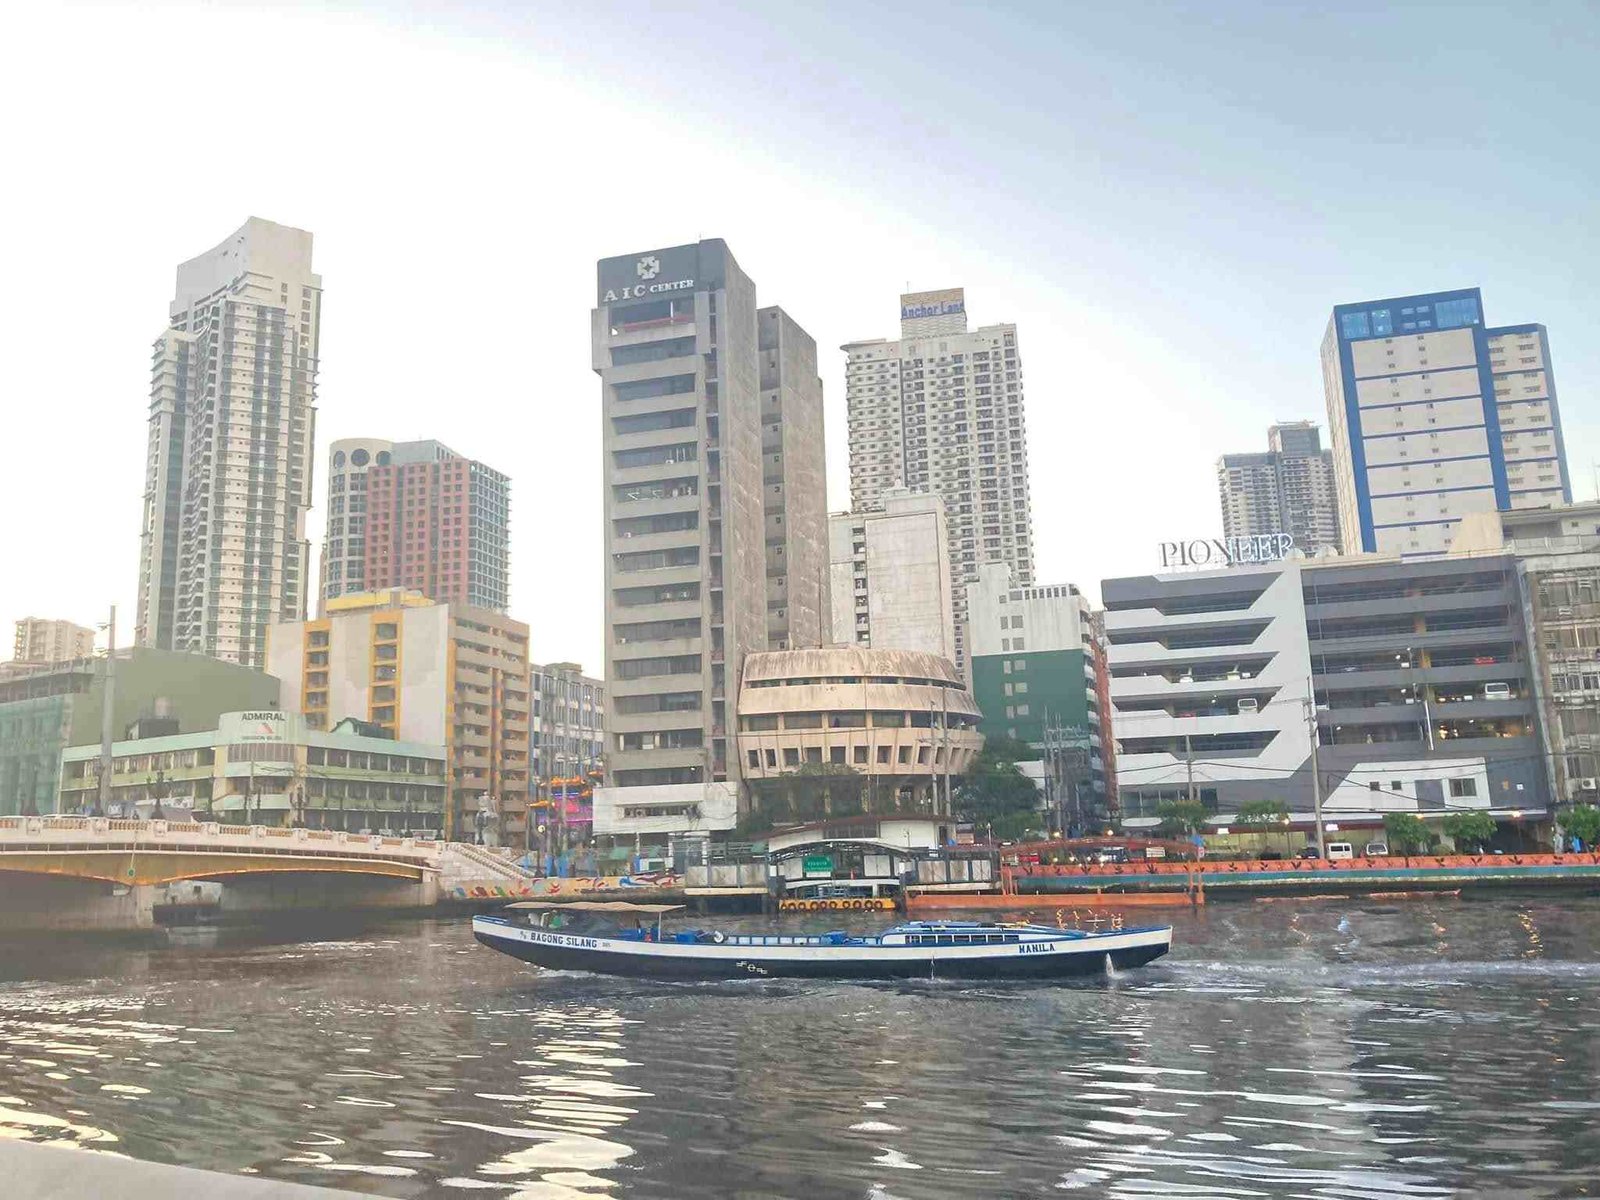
[
  {"x": 1249, "y": 704},
  {"x": 1497, "y": 691},
  {"x": 1340, "y": 850}
]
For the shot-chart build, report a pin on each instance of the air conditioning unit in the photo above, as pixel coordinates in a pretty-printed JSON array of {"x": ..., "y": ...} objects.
[{"x": 1589, "y": 785}]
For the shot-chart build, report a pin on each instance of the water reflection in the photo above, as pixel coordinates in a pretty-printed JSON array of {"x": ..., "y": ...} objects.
[{"x": 1335, "y": 1049}]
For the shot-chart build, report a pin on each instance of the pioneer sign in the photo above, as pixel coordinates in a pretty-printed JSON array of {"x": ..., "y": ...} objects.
[{"x": 1227, "y": 552}]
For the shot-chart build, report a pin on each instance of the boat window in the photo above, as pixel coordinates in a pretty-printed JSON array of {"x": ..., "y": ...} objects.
[
  {"x": 1011, "y": 937},
  {"x": 946, "y": 939}
]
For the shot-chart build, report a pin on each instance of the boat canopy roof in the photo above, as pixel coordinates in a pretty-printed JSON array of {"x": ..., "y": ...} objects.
[{"x": 612, "y": 906}]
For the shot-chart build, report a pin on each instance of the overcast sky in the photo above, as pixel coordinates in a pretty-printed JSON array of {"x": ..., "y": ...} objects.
[{"x": 1166, "y": 199}]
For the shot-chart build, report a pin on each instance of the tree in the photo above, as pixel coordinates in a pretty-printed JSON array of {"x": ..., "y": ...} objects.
[
  {"x": 1469, "y": 830},
  {"x": 1406, "y": 833},
  {"x": 1582, "y": 821},
  {"x": 818, "y": 789},
  {"x": 1263, "y": 815},
  {"x": 995, "y": 793},
  {"x": 1181, "y": 816}
]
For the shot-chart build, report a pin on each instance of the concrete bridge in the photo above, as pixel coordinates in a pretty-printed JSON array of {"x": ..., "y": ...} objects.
[{"x": 102, "y": 873}]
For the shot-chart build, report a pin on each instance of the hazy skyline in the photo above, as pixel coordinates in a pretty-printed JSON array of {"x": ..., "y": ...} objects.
[{"x": 1166, "y": 200}]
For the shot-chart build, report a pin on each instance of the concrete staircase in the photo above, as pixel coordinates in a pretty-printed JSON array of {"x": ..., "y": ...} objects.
[{"x": 465, "y": 865}]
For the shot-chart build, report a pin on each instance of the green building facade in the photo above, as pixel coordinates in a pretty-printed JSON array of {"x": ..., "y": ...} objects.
[
  {"x": 1017, "y": 691},
  {"x": 43, "y": 712}
]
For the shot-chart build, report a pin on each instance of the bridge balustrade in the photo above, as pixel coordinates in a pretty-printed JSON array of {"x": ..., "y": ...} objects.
[{"x": 91, "y": 833}]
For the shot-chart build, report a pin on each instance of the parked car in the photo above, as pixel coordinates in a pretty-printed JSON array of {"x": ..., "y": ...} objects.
[
  {"x": 1338, "y": 851},
  {"x": 1377, "y": 849},
  {"x": 1309, "y": 852},
  {"x": 1497, "y": 691}
]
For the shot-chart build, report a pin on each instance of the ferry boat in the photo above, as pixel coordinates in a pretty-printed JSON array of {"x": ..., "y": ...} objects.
[{"x": 628, "y": 939}]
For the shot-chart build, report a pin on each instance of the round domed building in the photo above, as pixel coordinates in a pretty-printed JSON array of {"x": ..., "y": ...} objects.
[{"x": 843, "y": 729}]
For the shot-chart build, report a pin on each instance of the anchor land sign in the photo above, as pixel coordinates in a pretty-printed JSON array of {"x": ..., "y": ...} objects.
[{"x": 1227, "y": 552}]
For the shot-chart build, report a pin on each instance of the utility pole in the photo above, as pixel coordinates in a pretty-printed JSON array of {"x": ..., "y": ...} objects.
[
  {"x": 108, "y": 717},
  {"x": 1188, "y": 764},
  {"x": 944, "y": 738},
  {"x": 1316, "y": 771}
]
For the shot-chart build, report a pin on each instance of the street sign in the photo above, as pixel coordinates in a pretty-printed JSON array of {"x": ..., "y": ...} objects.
[{"x": 817, "y": 864}]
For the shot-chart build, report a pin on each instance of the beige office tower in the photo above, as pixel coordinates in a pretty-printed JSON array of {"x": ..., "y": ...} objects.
[
  {"x": 716, "y": 523},
  {"x": 889, "y": 576},
  {"x": 223, "y": 549},
  {"x": 941, "y": 410},
  {"x": 40, "y": 640},
  {"x": 794, "y": 485}
]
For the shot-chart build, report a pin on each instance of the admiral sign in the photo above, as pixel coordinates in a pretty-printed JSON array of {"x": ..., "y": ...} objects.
[
  {"x": 264, "y": 726},
  {"x": 1227, "y": 552}
]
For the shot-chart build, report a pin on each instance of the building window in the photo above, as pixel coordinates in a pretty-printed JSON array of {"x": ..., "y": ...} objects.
[{"x": 1463, "y": 787}]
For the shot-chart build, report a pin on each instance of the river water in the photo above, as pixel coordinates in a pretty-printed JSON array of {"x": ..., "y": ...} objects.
[{"x": 1333, "y": 1048}]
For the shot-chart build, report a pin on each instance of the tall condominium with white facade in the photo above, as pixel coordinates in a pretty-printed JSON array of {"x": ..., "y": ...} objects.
[
  {"x": 1433, "y": 416},
  {"x": 941, "y": 410},
  {"x": 223, "y": 549},
  {"x": 889, "y": 576},
  {"x": 715, "y": 522},
  {"x": 1287, "y": 489}
]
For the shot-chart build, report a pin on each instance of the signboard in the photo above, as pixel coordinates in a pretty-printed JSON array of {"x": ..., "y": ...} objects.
[
  {"x": 932, "y": 304},
  {"x": 654, "y": 275},
  {"x": 1227, "y": 552},
  {"x": 246, "y": 727},
  {"x": 817, "y": 864}
]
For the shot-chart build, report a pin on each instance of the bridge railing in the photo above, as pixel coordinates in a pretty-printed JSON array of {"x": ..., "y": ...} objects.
[{"x": 33, "y": 833}]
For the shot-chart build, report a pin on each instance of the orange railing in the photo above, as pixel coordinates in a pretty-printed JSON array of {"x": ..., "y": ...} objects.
[{"x": 1304, "y": 866}]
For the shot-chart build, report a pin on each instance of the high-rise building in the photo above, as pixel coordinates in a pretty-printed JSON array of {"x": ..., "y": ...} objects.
[
  {"x": 1288, "y": 489},
  {"x": 889, "y": 576},
  {"x": 1433, "y": 416},
  {"x": 1038, "y": 671},
  {"x": 941, "y": 410},
  {"x": 344, "y": 546},
  {"x": 569, "y": 710},
  {"x": 43, "y": 641},
  {"x": 428, "y": 673},
  {"x": 435, "y": 523},
  {"x": 715, "y": 519},
  {"x": 1530, "y": 418},
  {"x": 794, "y": 485},
  {"x": 223, "y": 549}
]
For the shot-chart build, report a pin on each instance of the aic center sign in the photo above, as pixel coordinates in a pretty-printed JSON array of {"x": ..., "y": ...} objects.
[
  {"x": 646, "y": 269},
  {"x": 1227, "y": 552}
]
